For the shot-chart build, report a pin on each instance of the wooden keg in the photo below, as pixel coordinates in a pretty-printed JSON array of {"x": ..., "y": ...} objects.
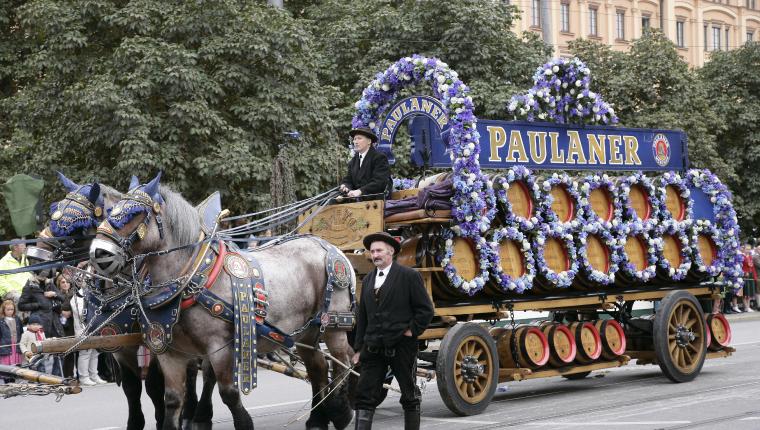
[
  {"x": 600, "y": 200},
  {"x": 521, "y": 200},
  {"x": 557, "y": 259},
  {"x": 563, "y": 204},
  {"x": 674, "y": 203},
  {"x": 636, "y": 251},
  {"x": 588, "y": 342},
  {"x": 412, "y": 252},
  {"x": 720, "y": 332},
  {"x": 708, "y": 252},
  {"x": 562, "y": 347},
  {"x": 671, "y": 250},
  {"x": 465, "y": 262},
  {"x": 531, "y": 348},
  {"x": 598, "y": 256},
  {"x": 512, "y": 264},
  {"x": 638, "y": 198},
  {"x": 613, "y": 338}
]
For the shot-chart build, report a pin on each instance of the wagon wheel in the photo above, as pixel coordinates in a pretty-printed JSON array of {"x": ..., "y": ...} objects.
[
  {"x": 467, "y": 369},
  {"x": 679, "y": 336}
]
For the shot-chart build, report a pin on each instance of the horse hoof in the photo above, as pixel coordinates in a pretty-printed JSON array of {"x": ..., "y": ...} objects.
[
  {"x": 343, "y": 421},
  {"x": 201, "y": 425}
]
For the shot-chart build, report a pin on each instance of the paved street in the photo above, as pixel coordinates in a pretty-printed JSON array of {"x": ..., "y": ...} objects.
[{"x": 633, "y": 397}]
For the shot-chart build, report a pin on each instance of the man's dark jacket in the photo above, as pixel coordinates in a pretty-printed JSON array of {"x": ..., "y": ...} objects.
[
  {"x": 403, "y": 304},
  {"x": 33, "y": 300},
  {"x": 374, "y": 175}
]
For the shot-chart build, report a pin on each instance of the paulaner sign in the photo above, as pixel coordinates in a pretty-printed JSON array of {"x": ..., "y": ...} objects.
[{"x": 539, "y": 145}]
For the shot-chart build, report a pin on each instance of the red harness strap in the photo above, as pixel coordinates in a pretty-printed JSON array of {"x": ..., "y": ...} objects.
[{"x": 186, "y": 303}]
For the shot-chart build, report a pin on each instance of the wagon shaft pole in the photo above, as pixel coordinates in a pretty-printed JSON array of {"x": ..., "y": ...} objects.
[
  {"x": 34, "y": 376},
  {"x": 60, "y": 345}
]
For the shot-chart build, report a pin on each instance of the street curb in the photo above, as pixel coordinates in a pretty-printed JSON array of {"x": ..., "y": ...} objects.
[{"x": 744, "y": 316}]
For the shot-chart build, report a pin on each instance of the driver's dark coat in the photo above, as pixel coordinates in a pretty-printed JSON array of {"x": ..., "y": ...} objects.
[{"x": 403, "y": 303}]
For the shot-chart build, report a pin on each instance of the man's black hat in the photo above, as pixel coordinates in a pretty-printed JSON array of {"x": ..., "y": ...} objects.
[
  {"x": 364, "y": 131},
  {"x": 382, "y": 237}
]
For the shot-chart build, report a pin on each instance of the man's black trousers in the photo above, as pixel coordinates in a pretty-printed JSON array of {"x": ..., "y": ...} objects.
[{"x": 374, "y": 365}]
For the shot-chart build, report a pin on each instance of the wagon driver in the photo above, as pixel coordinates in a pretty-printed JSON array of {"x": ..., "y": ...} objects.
[
  {"x": 393, "y": 311},
  {"x": 368, "y": 170}
]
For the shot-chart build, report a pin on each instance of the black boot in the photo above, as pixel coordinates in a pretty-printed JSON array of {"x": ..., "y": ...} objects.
[
  {"x": 412, "y": 419},
  {"x": 363, "y": 419}
]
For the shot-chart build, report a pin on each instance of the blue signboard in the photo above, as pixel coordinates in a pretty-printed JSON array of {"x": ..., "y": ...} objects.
[{"x": 537, "y": 145}]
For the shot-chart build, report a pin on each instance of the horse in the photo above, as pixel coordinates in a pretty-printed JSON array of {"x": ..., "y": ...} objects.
[
  {"x": 77, "y": 216},
  {"x": 156, "y": 224}
]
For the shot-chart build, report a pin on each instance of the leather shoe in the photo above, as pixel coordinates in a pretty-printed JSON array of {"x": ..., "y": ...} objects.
[{"x": 363, "y": 419}]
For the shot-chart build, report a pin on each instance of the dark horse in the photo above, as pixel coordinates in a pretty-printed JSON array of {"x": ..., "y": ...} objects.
[
  {"x": 150, "y": 219},
  {"x": 77, "y": 216}
]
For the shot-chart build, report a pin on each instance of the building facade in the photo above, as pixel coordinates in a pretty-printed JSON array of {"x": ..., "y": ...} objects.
[{"x": 697, "y": 27}]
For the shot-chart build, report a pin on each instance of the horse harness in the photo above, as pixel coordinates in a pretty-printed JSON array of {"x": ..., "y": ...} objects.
[{"x": 158, "y": 310}]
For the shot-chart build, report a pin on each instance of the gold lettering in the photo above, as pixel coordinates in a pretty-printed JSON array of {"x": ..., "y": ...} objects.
[
  {"x": 575, "y": 149},
  {"x": 558, "y": 156},
  {"x": 436, "y": 111},
  {"x": 427, "y": 105},
  {"x": 391, "y": 124},
  {"x": 516, "y": 145},
  {"x": 443, "y": 120},
  {"x": 386, "y": 135},
  {"x": 597, "y": 149},
  {"x": 631, "y": 150},
  {"x": 497, "y": 139},
  {"x": 405, "y": 108},
  {"x": 397, "y": 114},
  {"x": 415, "y": 104},
  {"x": 615, "y": 157},
  {"x": 537, "y": 141}
]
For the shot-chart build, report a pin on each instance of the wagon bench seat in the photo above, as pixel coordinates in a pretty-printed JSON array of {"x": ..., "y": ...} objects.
[{"x": 419, "y": 215}]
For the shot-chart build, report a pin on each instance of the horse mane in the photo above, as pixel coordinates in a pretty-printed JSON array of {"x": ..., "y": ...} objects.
[{"x": 185, "y": 223}]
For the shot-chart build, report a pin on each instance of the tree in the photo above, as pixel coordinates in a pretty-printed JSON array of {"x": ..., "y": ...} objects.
[
  {"x": 733, "y": 82},
  {"x": 205, "y": 91},
  {"x": 651, "y": 86}
]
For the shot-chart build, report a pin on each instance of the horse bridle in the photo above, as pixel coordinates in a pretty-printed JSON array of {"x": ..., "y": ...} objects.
[{"x": 120, "y": 246}]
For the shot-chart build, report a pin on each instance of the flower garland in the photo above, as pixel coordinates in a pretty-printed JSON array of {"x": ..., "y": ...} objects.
[
  {"x": 485, "y": 257},
  {"x": 501, "y": 187},
  {"x": 403, "y": 184},
  {"x": 610, "y": 239},
  {"x": 592, "y": 182},
  {"x": 561, "y": 93},
  {"x": 678, "y": 230},
  {"x": 506, "y": 282},
  {"x": 675, "y": 180},
  {"x": 550, "y": 217},
  {"x": 562, "y": 279},
  {"x": 473, "y": 203},
  {"x": 639, "y": 229},
  {"x": 707, "y": 228},
  {"x": 726, "y": 223},
  {"x": 624, "y": 185}
]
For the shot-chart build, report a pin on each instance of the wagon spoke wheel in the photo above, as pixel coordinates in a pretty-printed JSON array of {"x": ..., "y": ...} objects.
[
  {"x": 467, "y": 369},
  {"x": 680, "y": 337}
]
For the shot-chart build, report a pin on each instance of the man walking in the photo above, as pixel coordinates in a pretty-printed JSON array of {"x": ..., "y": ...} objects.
[
  {"x": 11, "y": 285},
  {"x": 394, "y": 310}
]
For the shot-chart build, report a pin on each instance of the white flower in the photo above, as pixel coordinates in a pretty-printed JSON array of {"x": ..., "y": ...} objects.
[
  {"x": 386, "y": 87},
  {"x": 555, "y": 69},
  {"x": 578, "y": 83},
  {"x": 449, "y": 243}
]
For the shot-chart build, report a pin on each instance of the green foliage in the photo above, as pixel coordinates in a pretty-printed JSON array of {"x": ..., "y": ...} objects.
[
  {"x": 651, "y": 86},
  {"x": 204, "y": 91},
  {"x": 732, "y": 79}
]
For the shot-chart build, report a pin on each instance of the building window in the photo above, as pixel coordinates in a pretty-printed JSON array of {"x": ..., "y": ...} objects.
[
  {"x": 680, "y": 34},
  {"x": 750, "y": 36},
  {"x": 536, "y": 13},
  {"x": 565, "y": 17},
  {"x": 620, "y": 25},
  {"x": 704, "y": 42},
  {"x": 750, "y": 4},
  {"x": 592, "y": 22},
  {"x": 727, "y": 37},
  {"x": 644, "y": 24},
  {"x": 716, "y": 39}
]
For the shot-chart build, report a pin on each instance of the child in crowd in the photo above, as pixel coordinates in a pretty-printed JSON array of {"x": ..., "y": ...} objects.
[
  {"x": 10, "y": 335},
  {"x": 33, "y": 333}
]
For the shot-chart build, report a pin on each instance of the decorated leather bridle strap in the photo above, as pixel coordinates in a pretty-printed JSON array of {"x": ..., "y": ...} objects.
[{"x": 210, "y": 280}]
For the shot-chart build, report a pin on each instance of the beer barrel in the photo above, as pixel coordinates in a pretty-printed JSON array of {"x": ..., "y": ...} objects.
[
  {"x": 600, "y": 201},
  {"x": 588, "y": 341},
  {"x": 412, "y": 252},
  {"x": 674, "y": 251},
  {"x": 514, "y": 267},
  {"x": 561, "y": 203},
  {"x": 600, "y": 196},
  {"x": 460, "y": 260},
  {"x": 720, "y": 332},
  {"x": 562, "y": 347},
  {"x": 556, "y": 262},
  {"x": 517, "y": 196},
  {"x": 638, "y": 197},
  {"x": 525, "y": 346},
  {"x": 705, "y": 258},
  {"x": 638, "y": 258},
  {"x": 612, "y": 336},
  {"x": 598, "y": 253},
  {"x": 674, "y": 203}
]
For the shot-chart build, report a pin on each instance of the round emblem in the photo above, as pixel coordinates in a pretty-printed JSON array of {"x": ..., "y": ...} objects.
[
  {"x": 156, "y": 207},
  {"x": 217, "y": 309},
  {"x": 156, "y": 338},
  {"x": 341, "y": 277},
  {"x": 110, "y": 330},
  {"x": 98, "y": 211},
  {"x": 661, "y": 149},
  {"x": 324, "y": 319},
  {"x": 142, "y": 229},
  {"x": 236, "y": 266},
  {"x": 57, "y": 215}
]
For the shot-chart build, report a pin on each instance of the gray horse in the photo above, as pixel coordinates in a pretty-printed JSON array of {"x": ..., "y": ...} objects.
[
  {"x": 153, "y": 218},
  {"x": 78, "y": 215}
]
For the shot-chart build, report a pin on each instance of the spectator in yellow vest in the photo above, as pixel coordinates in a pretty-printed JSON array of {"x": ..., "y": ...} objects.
[{"x": 11, "y": 285}]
